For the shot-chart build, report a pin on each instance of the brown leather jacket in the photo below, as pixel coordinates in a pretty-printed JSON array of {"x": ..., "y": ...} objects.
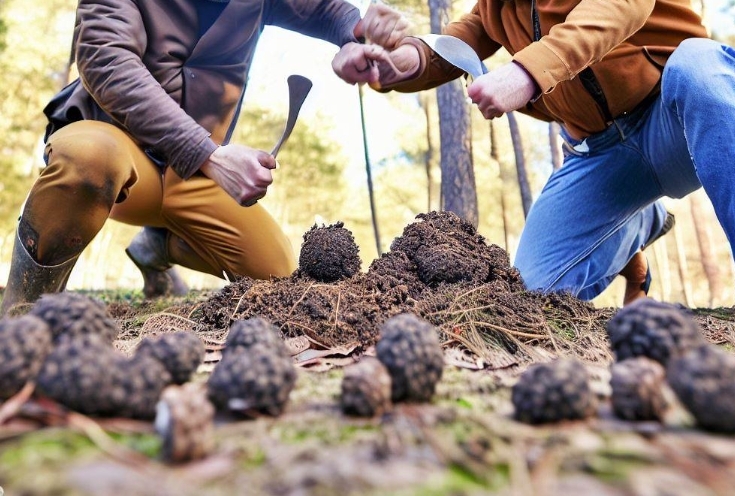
[
  {"x": 144, "y": 67},
  {"x": 624, "y": 42}
]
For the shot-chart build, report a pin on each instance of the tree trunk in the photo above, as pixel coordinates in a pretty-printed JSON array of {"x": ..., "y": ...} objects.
[
  {"x": 502, "y": 176},
  {"x": 523, "y": 185},
  {"x": 704, "y": 240},
  {"x": 429, "y": 155},
  {"x": 458, "y": 191}
]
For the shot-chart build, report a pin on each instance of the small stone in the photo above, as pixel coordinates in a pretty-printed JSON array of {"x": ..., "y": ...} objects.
[
  {"x": 366, "y": 388},
  {"x": 185, "y": 421},
  {"x": 639, "y": 389}
]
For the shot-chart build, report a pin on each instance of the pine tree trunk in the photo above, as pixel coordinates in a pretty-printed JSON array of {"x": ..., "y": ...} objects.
[{"x": 458, "y": 191}]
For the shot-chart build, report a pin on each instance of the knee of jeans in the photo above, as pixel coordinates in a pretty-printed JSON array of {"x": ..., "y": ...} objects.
[{"x": 686, "y": 64}]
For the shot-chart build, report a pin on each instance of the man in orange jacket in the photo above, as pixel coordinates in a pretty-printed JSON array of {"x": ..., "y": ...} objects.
[{"x": 647, "y": 107}]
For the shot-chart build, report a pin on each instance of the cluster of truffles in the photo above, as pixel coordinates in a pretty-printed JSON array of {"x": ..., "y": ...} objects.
[
  {"x": 409, "y": 365},
  {"x": 552, "y": 392},
  {"x": 256, "y": 373},
  {"x": 65, "y": 344},
  {"x": 329, "y": 253},
  {"x": 658, "y": 348}
]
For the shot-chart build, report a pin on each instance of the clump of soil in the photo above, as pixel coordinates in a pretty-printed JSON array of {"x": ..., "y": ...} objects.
[
  {"x": 329, "y": 253},
  {"x": 439, "y": 269}
]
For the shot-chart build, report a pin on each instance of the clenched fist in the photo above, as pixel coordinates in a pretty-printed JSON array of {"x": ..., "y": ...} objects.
[
  {"x": 382, "y": 26},
  {"x": 243, "y": 172}
]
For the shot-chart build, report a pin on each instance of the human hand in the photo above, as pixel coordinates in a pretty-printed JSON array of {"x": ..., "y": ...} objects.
[
  {"x": 357, "y": 63},
  {"x": 382, "y": 26},
  {"x": 243, "y": 172},
  {"x": 507, "y": 88}
]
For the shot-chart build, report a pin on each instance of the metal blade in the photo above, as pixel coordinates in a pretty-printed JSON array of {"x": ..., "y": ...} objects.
[
  {"x": 298, "y": 89},
  {"x": 456, "y": 52}
]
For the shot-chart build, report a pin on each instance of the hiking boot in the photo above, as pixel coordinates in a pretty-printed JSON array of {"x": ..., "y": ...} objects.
[{"x": 148, "y": 251}]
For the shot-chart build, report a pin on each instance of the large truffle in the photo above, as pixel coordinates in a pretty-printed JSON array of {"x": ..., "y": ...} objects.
[
  {"x": 252, "y": 381},
  {"x": 409, "y": 348},
  {"x": 88, "y": 375},
  {"x": 553, "y": 391},
  {"x": 329, "y": 253},
  {"x": 653, "y": 329},
  {"x": 366, "y": 390},
  {"x": 24, "y": 343},
  {"x": 244, "y": 334},
  {"x": 704, "y": 381},
  {"x": 180, "y": 353},
  {"x": 639, "y": 389},
  {"x": 79, "y": 373},
  {"x": 185, "y": 422},
  {"x": 74, "y": 314}
]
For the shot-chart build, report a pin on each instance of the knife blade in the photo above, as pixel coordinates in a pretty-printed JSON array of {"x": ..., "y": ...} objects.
[{"x": 456, "y": 52}]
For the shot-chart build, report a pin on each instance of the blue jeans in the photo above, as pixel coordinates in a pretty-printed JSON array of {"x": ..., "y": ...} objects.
[{"x": 604, "y": 204}]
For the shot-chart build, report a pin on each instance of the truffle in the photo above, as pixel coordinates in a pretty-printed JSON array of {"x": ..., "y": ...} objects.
[
  {"x": 180, "y": 353},
  {"x": 24, "y": 343},
  {"x": 409, "y": 348},
  {"x": 79, "y": 373},
  {"x": 255, "y": 330},
  {"x": 252, "y": 381},
  {"x": 366, "y": 390},
  {"x": 653, "y": 329},
  {"x": 88, "y": 375},
  {"x": 704, "y": 381},
  {"x": 329, "y": 254},
  {"x": 185, "y": 422},
  {"x": 638, "y": 389},
  {"x": 75, "y": 314},
  {"x": 553, "y": 391}
]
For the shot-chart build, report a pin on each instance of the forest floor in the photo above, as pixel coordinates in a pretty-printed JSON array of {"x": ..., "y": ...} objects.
[{"x": 464, "y": 442}]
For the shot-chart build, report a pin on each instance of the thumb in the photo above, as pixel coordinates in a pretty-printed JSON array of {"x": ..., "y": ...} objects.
[{"x": 359, "y": 31}]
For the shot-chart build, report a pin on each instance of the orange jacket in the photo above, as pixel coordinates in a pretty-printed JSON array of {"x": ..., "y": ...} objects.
[{"x": 625, "y": 42}]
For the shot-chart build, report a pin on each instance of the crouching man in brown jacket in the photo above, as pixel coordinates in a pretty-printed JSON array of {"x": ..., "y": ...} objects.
[{"x": 142, "y": 137}]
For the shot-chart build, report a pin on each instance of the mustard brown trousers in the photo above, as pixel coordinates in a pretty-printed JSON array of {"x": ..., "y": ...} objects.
[{"x": 96, "y": 171}]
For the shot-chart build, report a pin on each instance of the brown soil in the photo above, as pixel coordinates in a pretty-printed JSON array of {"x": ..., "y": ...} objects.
[{"x": 463, "y": 442}]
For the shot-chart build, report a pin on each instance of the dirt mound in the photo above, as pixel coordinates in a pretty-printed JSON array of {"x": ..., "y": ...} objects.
[{"x": 439, "y": 269}]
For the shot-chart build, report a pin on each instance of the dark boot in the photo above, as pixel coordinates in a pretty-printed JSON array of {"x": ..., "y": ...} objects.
[
  {"x": 28, "y": 280},
  {"x": 149, "y": 252}
]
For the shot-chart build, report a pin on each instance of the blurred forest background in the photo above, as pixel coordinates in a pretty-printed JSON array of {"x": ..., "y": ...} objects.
[{"x": 326, "y": 169}]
